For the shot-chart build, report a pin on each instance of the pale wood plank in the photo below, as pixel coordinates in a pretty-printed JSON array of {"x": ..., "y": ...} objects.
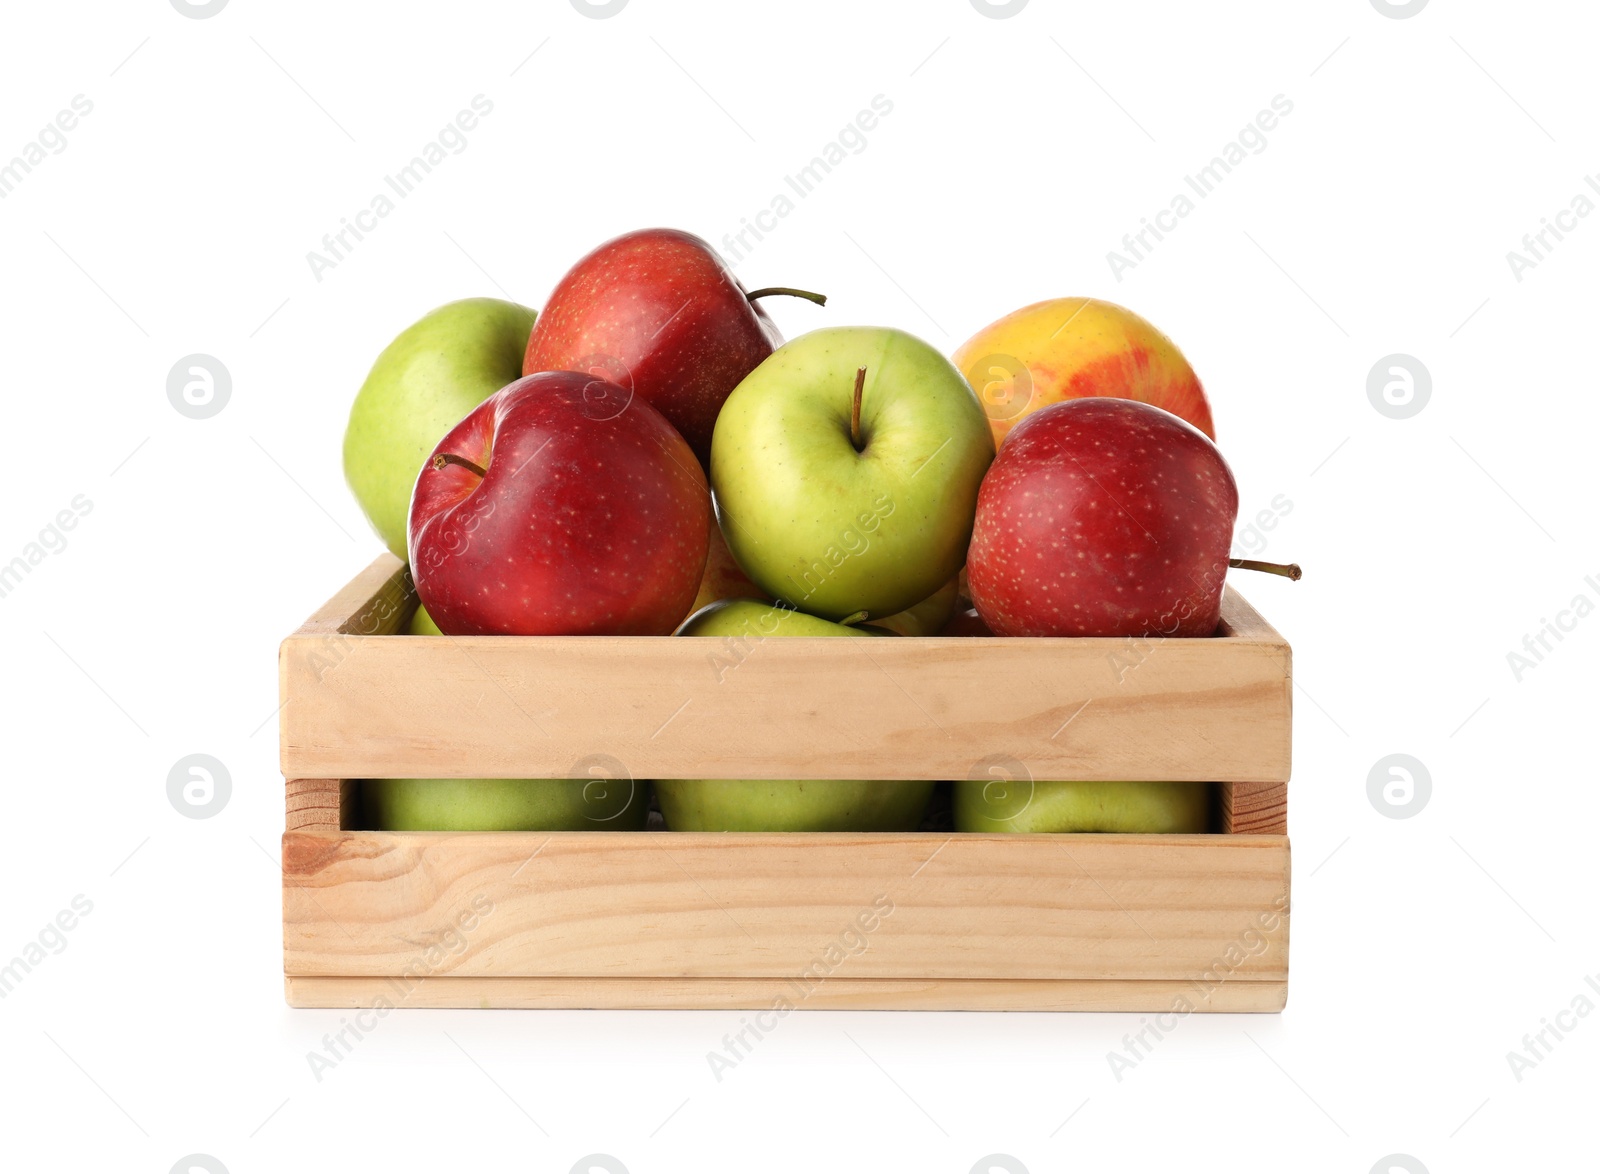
[
  {"x": 757, "y": 994},
  {"x": 363, "y": 706},
  {"x": 642, "y": 905}
]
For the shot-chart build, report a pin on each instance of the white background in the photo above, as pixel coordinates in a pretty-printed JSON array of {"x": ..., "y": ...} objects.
[{"x": 1377, "y": 220}]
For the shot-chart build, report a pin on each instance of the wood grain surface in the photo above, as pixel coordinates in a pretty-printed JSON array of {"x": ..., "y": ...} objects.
[
  {"x": 866, "y": 920},
  {"x": 1255, "y": 808},
  {"x": 906, "y": 708},
  {"x": 777, "y": 995},
  {"x": 856, "y": 905}
]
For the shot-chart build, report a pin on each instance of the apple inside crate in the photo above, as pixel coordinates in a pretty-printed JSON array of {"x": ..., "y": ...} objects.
[{"x": 917, "y": 920}]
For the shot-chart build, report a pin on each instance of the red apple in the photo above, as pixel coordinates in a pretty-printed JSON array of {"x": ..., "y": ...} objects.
[
  {"x": 659, "y": 312},
  {"x": 1103, "y": 517},
  {"x": 561, "y": 505}
]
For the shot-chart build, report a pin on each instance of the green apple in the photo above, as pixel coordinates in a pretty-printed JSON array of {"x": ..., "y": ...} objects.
[
  {"x": 423, "y": 384},
  {"x": 925, "y": 618},
  {"x": 782, "y": 805},
  {"x": 484, "y": 805},
  {"x": 791, "y": 805},
  {"x": 998, "y": 805},
  {"x": 421, "y": 624},
  {"x": 835, "y": 515},
  {"x": 747, "y": 620}
]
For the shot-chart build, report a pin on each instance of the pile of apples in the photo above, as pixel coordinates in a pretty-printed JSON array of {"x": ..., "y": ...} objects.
[{"x": 648, "y": 457}]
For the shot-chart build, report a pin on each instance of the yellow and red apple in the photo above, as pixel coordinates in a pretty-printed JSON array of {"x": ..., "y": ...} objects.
[
  {"x": 1070, "y": 348},
  {"x": 722, "y": 578}
]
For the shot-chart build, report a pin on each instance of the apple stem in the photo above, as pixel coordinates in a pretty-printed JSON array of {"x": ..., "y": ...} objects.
[
  {"x": 1287, "y": 570},
  {"x": 789, "y": 292},
  {"x": 855, "y": 408},
  {"x": 450, "y": 458}
]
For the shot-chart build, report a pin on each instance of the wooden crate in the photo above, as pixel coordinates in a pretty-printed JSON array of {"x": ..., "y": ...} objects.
[{"x": 922, "y": 920}]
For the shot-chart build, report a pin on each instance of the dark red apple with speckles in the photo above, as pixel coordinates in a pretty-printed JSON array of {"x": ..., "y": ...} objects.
[
  {"x": 562, "y": 505},
  {"x": 1103, "y": 517},
  {"x": 659, "y": 312}
]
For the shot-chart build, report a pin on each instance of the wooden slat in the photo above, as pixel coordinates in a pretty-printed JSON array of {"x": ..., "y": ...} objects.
[
  {"x": 842, "y": 994},
  {"x": 387, "y": 706},
  {"x": 1255, "y": 808},
  {"x": 687, "y": 905}
]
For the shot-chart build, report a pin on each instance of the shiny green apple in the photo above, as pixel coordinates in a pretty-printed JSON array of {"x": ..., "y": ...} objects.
[
  {"x": 835, "y": 515},
  {"x": 482, "y": 805},
  {"x": 436, "y": 371},
  {"x": 781, "y": 805},
  {"x": 791, "y": 805},
  {"x": 1006, "y": 805}
]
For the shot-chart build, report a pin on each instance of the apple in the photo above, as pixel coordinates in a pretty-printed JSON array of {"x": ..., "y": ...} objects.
[
  {"x": 782, "y": 805},
  {"x": 1103, "y": 517},
  {"x": 421, "y": 624},
  {"x": 922, "y": 619},
  {"x": 750, "y": 621},
  {"x": 846, "y": 468},
  {"x": 659, "y": 312},
  {"x": 722, "y": 578},
  {"x": 1003, "y": 805},
  {"x": 436, "y": 371},
  {"x": 791, "y": 805},
  {"x": 561, "y": 505},
  {"x": 1068, "y": 348},
  {"x": 483, "y": 805}
]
